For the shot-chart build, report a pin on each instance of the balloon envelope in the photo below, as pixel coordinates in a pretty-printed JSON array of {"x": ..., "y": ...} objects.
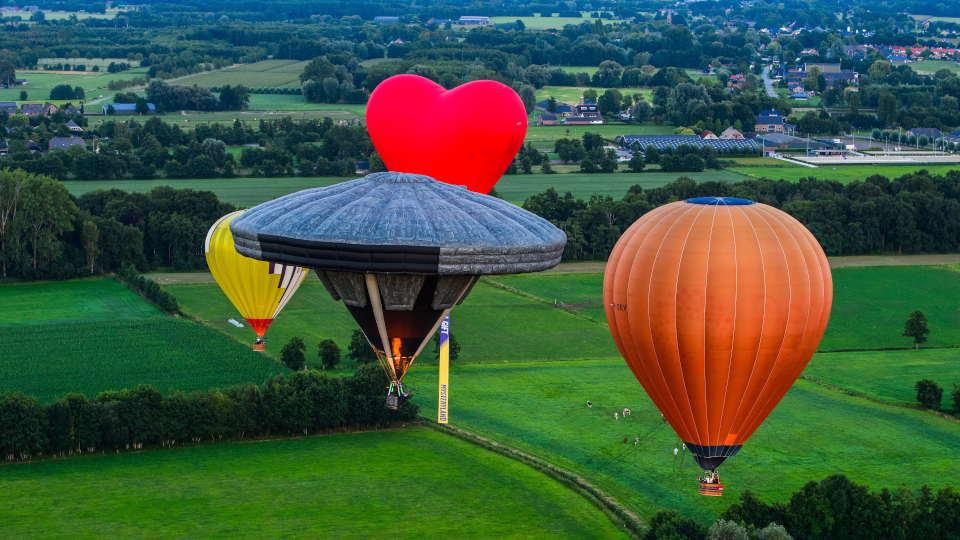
[
  {"x": 258, "y": 289},
  {"x": 466, "y": 136},
  {"x": 717, "y": 305}
]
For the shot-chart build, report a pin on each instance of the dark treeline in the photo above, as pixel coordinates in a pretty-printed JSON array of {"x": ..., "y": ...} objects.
[
  {"x": 834, "y": 508},
  {"x": 47, "y": 233},
  {"x": 305, "y": 402},
  {"x": 911, "y": 214}
]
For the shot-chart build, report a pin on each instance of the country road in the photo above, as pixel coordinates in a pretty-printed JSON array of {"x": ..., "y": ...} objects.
[
  {"x": 768, "y": 82},
  {"x": 598, "y": 267}
]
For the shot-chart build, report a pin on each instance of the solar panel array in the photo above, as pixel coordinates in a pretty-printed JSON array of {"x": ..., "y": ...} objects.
[{"x": 661, "y": 142}]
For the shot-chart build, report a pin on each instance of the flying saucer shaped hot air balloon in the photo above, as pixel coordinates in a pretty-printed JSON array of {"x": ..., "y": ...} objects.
[
  {"x": 717, "y": 304},
  {"x": 399, "y": 249},
  {"x": 258, "y": 289}
]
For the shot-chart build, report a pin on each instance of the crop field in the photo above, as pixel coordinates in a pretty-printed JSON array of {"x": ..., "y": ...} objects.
[
  {"x": 841, "y": 173},
  {"x": 932, "y": 66},
  {"x": 263, "y": 74},
  {"x": 492, "y": 325},
  {"x": 547, "y": 22},
  {"x": 320, "y": 487},
  {"x": 889, "y": 375},
  {"x": 53, "y": 359},
  {"x": 814, "y": 432},
  {"x": 239, "y": 191},
  {"x": 63, "y": 301}
]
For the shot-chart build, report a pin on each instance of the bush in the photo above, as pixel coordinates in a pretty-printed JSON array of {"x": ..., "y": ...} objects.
[{"x": 929, "y": 394}]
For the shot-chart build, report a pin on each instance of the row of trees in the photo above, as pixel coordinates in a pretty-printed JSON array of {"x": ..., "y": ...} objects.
[
  {"x": 303, "y": 403},
  {"x": 359, "y": 350},
  {"x": 913, "y": 213}
]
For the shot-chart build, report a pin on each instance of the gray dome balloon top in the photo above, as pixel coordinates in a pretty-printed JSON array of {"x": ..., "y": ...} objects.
[{"x": 398, "y": 223}]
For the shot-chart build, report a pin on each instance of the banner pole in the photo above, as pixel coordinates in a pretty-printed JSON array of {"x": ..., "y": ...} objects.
[{"x": 442, "y": 412}]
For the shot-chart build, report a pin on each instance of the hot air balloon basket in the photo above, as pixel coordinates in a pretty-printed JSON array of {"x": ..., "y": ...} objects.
[
  {"x": 392, "y": 402},
  {"x": 711, "y": 490},
  {"x": 259, "y": 347}
]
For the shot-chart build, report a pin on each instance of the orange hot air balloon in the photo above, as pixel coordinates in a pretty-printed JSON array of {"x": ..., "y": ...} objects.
[{"x": 717, "y": 304}]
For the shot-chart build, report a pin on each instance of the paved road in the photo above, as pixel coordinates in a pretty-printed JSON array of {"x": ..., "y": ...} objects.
[
  {"x": 598, "y": 267},
  {"x": 768, "y": 82}
]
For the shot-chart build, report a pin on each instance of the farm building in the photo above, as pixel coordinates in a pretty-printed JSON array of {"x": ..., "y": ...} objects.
[
  {"x": 32, "y": 109},
  {"x": 779, "y": 141},
  {"x": 127, "y": 108},
  {"x": 9, "y": 107},
  {"x": 661, "y": 142},
  {"x": 707, "y": 134},
  {"x": 732, "y": 133},
  {"x": 64, "y": 143},
  {"x": 548, "y": 119}
]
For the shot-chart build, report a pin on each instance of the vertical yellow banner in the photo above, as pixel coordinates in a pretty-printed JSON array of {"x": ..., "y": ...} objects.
[{"x": 444, "y": 370}]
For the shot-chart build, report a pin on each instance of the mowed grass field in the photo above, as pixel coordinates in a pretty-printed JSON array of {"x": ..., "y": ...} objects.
[
  {"x": 554, "y": 21},
  {"x": 871, "y": 305},
  {"x": 41, "y": 82},
  {"x": 889, "y": 375},
  {"x": 492, "y": 325},
  {"x": 413, "y": 483},
  {"x": 93, "y": 335},
  {"x": 841, "y": 173},
  {"x": 813, "y": 433},
  {"x": 933, "y": 66},
  {"x": 572, "y": 94}
]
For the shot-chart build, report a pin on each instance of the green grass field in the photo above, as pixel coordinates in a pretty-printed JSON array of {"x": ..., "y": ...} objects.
[
  {"x": 58, "y": 15},
  {"x": 572, "y": 94},
  {"x": 41, "y": 82},
  {"x": 889, "y": 375},
  {"x": 53, "y": 359},
  {"x": 538, "y": 22},
  {"x": 409, "y": 483},
  {"x": 263, "y": 74},
  {"x": 870, "y": 306},
  {"x": 932, "y": 66},
  {"x": 492, "y": 325},
  {"x": 581, "y": 292},
  {"x": 549, "y": 134},
  {"x": 843, "y": 173},
  {"x": 95, "y": 334},
  {"x": 81, "y": 300},
  {"x": 239, "y": 191},
  {"x": 813, "y": 433},
  {"x": 514, "y": 188}
]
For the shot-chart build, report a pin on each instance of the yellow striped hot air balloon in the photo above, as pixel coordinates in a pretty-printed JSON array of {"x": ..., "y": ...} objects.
[{"x": 258, "y": 289}]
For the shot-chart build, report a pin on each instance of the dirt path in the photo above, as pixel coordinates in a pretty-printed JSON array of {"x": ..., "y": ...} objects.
[{"x": 598, "y": 267}]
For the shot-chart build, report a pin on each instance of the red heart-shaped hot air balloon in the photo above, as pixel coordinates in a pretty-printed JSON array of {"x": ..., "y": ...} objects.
[{"x": 466, "y": 136}]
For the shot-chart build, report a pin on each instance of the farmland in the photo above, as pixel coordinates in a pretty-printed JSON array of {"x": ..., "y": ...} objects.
[
  {"x": 813, "y": 433},
  {"x": 492, "y": 325},
  {"x": 53, "y": 359},
  {"x": 62, "y": 301},
  {"x": 41, "y": 82},
  {"x": 841, "y": 173},
  {"x": 547, "y": 22},
  {"x": 929, "y": 67},
  {"x": 263, "y": 74},
  {"x": 572, "y": 94},
  {"x": 319, "y": 487}
]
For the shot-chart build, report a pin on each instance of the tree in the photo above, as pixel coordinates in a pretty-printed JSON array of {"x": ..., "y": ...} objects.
[
  {"x": 727, "y": 530},
  {"x": 376, "y": 163},
  {"x": 887, "y": 108},
  {"x": 454, "y": 347},
  {"x": 329, "y": 353},
  {"x": 359, "y": 350},
  {"x": 216, "y": 150},
  {"x": 916, "y": 328},
  {"x": 812, "y": 81},
  {"x": 8, "y": 74},
  {"x": 955, "y": 398},
  {"x": 551, "y": 105},
  {"x": 636, "y": 163},
  {"x": 141, "y": 106},
  {"x": 528, "y": 95},
  {"x": 670, "y": 525},
  {"x": 62, "y": 91},
  {"x": 90, "y": 235},
  {"x": 590, "y": 95},
  {"x": 23, "y": 95},
  {"x": 292, "y": 354},
  {"x": 773, "y": 532},
  {"x": 46, "y": 212},
  {"x": 11, "y": 184},
  {"x": 879, "y": 71},
  {"x": 929, "y": 394},
  {"x": 79, "y": 93}
]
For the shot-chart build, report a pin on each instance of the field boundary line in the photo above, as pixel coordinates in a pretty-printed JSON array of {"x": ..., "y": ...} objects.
[
  {"x": 527, "y": 295},
  {"x": 874, "y": 399},
  {"x": 615, "y": 512}
]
